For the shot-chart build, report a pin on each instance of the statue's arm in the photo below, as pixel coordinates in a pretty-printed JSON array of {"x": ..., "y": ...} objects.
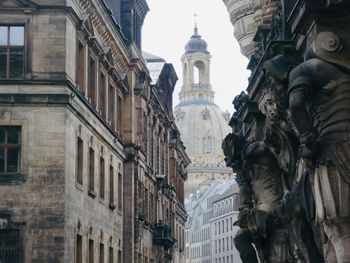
[
  {"x": 246, "y": 195},
  {"x": 299, "y": 89}
]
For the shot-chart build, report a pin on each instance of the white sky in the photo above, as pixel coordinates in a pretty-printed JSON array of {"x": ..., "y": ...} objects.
[{"x": 169, "y": 25}]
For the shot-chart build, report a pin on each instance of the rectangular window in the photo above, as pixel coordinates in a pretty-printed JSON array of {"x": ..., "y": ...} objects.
[
  {"x": 102, "y": 94},
  {"x": 111, "y": 105},
  {"x": 10, "y": 149},
  {"x": 119, "y": 256},
  {"x": 120, "y": 114},
  {"x": 80, "y": 67},
  {"x": 146, "y": 206},
  {"x": 102, "y": 253},
  {"x": 10, "y": 248},
  {"x": 111, "y": 185},
  {"x": 79, "y": 252},
  {"x": 102, "y": 178},
  {"x": 120, "y": 191},
  {"x": 92, "y": 81},
  {"x": 91, "y": 251},
  {"x": 111, "y": 255},
  {"x": 11, "y": 51},
  {"x": 91, "y": 170},
  {"x": 79, "y": 165}
]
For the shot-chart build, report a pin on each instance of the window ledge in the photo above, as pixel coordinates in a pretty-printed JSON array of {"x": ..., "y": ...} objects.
[
  {"x": 79, "y": 186},
  {"x": 102, "y": 200},
  {"x": 92, "y": 194},
  {"x": 11, "y": 179}
]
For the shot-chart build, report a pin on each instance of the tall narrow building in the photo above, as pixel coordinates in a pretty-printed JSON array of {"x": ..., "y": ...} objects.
[{"x": 202, "y": 123}]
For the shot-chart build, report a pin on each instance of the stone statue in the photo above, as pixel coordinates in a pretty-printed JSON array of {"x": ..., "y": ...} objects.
[
  {"x": 260, "y": 182},
  {"x": 319, "y": 102},
  {"x": 294, "y": 211},
  {"x": 262, "y": 176}
]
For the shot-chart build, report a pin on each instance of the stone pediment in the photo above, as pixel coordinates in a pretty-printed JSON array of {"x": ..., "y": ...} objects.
[
  {"x": 86, "y": 24},
  {"x": 18, "y": 4}
]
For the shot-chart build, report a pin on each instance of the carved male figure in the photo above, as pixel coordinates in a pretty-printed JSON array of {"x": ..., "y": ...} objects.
[
  {"x": 319, "y": 102},
  {"x": 295, "y": 211}
]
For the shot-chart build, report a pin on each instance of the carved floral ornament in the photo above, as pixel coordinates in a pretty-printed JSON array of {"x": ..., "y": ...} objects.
[{"x": 241, "y": 8}]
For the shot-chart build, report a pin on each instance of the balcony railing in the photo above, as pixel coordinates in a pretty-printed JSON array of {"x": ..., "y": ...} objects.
[
  {"x": 200, "y": 86},
  {"x": 162, "y": 236}
]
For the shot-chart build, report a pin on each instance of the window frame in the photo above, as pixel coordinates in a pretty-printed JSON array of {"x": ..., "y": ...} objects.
[
  {"x": 26, "y": 28},
  {"x": 17, "y": 178},
  {"x": 6, "y": 145}
]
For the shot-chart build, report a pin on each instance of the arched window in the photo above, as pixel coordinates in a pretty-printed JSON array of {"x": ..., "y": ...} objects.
[
  {"x": 198, "y": 73},
  {"x": 208, "y": 145},
  {"x": 195, "y": 75}
]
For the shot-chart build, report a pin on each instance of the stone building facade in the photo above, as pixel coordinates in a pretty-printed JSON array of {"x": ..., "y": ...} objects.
[
  {"x": 200, "y": 120},
  {"x": 79, "y": 120},
  {"x": 223, "y": 228},
  {"x": 200, "y": 238},
  {"x": 289, "y": 143}
]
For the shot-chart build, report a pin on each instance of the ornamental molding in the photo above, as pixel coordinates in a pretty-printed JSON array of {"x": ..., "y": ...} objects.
[{"x": 104, "y": 34}]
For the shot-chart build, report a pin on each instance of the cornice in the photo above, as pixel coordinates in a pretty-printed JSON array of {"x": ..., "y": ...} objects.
[{"x": 106, "y": 30}]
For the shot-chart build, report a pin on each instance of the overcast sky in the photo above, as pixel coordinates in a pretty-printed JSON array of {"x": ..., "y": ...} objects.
[{"x": 169, "y": 25}]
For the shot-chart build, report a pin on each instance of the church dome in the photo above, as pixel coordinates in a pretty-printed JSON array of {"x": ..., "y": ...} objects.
[
  {"x": 196, "y": 43},
  {"x": 203, "y": 127}
]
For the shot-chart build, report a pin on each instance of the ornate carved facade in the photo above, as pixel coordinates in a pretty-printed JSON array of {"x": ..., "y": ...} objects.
[
  {"x": 91, "y": 163},
  {"x": 289, "y": 140}
]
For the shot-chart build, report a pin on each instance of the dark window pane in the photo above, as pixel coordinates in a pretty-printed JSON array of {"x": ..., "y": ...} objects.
[
  {"x": 16, "y": 35},
  {"x": 14, "y": 135},
  {"x": 13, "y": 160},
  {"x": 3, "y": 35},
  {"x": 16, "y": 62},
  {"x": 2, "y": 160},
  {"x": 2, "y": 135},
  {"x": 3, "y": 55},
  {"x": 10, "y": 246}
]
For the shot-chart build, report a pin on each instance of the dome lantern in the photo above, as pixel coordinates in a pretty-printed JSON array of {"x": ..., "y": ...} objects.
[{"x": 196, "y": 43}]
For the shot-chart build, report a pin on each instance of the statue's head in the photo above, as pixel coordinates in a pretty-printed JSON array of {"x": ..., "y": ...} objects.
[
  {"x": 277, "y": 68},
  {"x": 232, "y": 147},
  {"x": 239, "y": 100}
]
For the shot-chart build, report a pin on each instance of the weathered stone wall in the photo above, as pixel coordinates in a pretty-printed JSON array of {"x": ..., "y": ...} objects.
[{"x": 38, "y": 202}]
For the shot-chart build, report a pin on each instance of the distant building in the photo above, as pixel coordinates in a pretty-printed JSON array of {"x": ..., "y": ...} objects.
[
  {"x": 225, "y": 214},
  {"x": 199, "y": 228},
  {"x": 203, "y": 125}
]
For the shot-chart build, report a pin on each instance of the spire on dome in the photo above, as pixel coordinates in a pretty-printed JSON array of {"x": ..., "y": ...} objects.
[
  {"x": 196, "y": 43},
  {"x": 195, "y": 25}
]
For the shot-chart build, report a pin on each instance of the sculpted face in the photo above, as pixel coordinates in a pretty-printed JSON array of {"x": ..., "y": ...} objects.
[{"x": 271, "y": 109}]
